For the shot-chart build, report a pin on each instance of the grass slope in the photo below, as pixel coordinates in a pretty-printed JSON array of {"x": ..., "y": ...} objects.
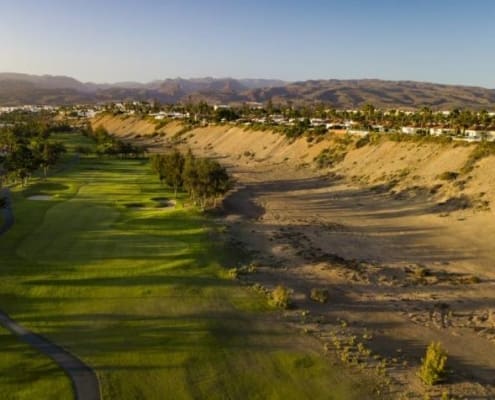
[{"x": 136, "y": 291}]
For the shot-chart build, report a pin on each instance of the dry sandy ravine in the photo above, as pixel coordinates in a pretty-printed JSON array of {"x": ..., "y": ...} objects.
[
  {"x": 399, "y": 274},
  {"x": 396, "y": 272}
]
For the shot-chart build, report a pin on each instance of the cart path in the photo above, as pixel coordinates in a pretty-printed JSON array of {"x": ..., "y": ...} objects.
[
  {"x": 7, "y": 213},
  {"x": 84, "y": 380}
]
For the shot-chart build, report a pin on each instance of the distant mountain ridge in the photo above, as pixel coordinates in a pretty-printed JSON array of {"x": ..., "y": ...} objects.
[{"x": 17, "y": 89}]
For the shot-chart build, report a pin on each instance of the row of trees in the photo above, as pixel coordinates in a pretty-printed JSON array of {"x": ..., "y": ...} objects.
[
  {"x": 27, "y": 147},
  {"x": 457, "y": 119},
  {"x": 205, "y": 180}
]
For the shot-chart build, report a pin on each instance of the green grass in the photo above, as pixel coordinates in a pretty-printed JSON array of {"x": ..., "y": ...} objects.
[
  {"x": 38, "y": 377},
  {"x": 138, "y": 294},
  {"x": 72, "y": 140}
]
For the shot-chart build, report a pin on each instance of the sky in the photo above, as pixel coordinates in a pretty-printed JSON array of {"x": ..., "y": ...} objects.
[{"x": 444, "y": 41}]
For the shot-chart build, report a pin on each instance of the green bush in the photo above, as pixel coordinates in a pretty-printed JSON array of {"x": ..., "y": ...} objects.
[
  {"x": 404, "y": 137},
  {"x": 329, "y": 157},
  {"x": 433, "y": 367},
  {"x": 319, "y": 295},
  {"x": 363, "y": 141},
  {"x": 280, "y": 297}
]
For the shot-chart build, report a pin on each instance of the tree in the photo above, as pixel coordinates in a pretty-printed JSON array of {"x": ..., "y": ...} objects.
[
  {"x": 173, "y": 168},
  {"x": 21, "y": 162},
  {"x": 190, "y": 175},
  {"x": 203, "y": 179},
  {"x": 269, "y": 106},
  {"x": 368, "y": 111},
  {"x": 50, "y": 154},
  {"x": 226, "y": 114},
  {"x": 213, "y": 180}
]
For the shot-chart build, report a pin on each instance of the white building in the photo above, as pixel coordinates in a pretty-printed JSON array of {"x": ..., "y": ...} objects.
[
  {"x": 317, "y": 122},
  {"x": 378, "y": 128},
  {"x": 474, "y": 134},
  {"x": 490, "y": 136},
  {"x": 221, "y": 107},
  {"x": 410, "y": 130},
  {"x": 278, "y": 119},
  {"x": 441, "y": 131}
]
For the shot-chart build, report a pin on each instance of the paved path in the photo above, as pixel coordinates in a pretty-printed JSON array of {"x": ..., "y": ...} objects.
[
  {"x": 8, "y": 215},
  {"x": 84, "y": 380}
]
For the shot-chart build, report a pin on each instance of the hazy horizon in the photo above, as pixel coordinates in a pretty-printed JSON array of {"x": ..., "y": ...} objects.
[
  {"x": 144, "y": 82},
  {"x": 445, "y": 42}
]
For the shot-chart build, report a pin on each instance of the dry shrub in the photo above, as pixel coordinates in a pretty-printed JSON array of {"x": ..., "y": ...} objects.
[
  {"x": 280, "y": 297},
  {"x": 433, "y": 367},
  {"x": 319, "y": 295}
]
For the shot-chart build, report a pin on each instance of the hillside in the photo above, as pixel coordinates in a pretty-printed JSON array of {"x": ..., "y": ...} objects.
[
  {"x": 16, "y": 89},
  {"x": 384, "y": 94},
  {"x": 405, "y": 166}
]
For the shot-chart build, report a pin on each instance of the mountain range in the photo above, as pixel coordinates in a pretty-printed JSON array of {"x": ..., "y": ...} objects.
[{"x": 18, "y": 89}]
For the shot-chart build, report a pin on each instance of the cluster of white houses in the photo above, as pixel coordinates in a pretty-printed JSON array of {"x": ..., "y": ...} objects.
[
  {"x": 352, "y": 128},
  {"x": 169, "y": 115},
  {"x": 28, "y": 108},
  {"x": 473, "y": 134},
  {"x": 467, "y": 135},
  {"x": 470, "y": 135}
]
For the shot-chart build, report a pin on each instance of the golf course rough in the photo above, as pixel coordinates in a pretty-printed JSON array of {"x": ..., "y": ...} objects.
[{"x": 137, "y": 294}]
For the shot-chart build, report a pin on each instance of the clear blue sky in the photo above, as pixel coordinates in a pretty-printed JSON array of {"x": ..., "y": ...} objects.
[{"x": 448, "y": 41}]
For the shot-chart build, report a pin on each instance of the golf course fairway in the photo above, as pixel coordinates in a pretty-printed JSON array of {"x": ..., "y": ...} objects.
[{"x": 140, "y": 293}]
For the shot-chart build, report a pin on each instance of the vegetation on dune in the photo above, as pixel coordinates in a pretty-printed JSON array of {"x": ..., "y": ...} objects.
[
  {"x": 402, "y": 137},
  {"x": 319, "y": 295},
  {"x": 280, "y": 297},
  {"x": 433, "y": 367},
  {"x": 482, "y": 150},
  {"x": 448, "y": 176},
  {"x": 335, "y": 153}
]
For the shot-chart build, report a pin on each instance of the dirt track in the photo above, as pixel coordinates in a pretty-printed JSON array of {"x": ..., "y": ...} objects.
[{"x": 8, "y": 215}]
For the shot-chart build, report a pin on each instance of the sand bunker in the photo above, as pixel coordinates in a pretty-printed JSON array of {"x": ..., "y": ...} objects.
[
  {"x": 164, "y": 203},
  {"x": 161, "y": 203},
  {"x": 41, "y": 197}
]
